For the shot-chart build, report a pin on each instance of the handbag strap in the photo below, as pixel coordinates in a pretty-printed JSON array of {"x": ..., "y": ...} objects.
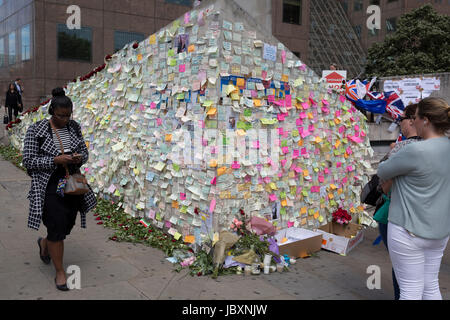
[{"x": 61, "y": 145}]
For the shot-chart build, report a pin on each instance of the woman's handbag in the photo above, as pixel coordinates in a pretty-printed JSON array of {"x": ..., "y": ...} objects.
[
  {"x": 5, "y": 119},
  {"x": 75, "y": 184}
]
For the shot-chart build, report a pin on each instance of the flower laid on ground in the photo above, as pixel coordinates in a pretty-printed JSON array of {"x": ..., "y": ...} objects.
[{"x": 341, "y": 216}]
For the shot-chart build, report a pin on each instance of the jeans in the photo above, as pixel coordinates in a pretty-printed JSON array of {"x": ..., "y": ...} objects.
[
  {"x": 383, "y": 232},
  {"x": 416, "y": 263}
]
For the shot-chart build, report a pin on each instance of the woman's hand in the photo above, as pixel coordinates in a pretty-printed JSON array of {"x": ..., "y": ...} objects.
[{"x": 64, "y": 159}]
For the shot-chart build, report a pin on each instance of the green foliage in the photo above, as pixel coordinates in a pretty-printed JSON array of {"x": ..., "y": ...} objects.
[
  {"x": 13, "y": 155},
  {"x": 420, "y": 45}
]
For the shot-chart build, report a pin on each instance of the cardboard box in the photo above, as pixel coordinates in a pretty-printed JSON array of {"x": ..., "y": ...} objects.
[
  {"x": 341, "y": 238},
  {"x": 300, "y": 242}
]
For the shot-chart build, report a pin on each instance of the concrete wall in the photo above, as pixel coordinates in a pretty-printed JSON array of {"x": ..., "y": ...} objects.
[{"x": 260, "y": 10}]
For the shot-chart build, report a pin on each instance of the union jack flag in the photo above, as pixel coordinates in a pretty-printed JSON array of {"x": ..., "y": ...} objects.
[{"x": 394, "y": 105}]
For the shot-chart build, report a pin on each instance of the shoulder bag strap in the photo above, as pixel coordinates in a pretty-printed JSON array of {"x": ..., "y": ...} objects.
[{"x": 61, "y": 145}]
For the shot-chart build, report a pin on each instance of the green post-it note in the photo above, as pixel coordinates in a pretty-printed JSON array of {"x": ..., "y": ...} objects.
[
  {"x": 172, "y": 62},
  {"x": 305, "y": 193},
  {"x": 311, "y": 212},
  {"x": 176, "y": 167},
  {"x": 171, "y": 53},
  {"x": 184, "y": 209},
  {"x": 158, "y": 217},
  {"x": 283, "y": 195},
  {"x": 284, "y": 143},
  {"x": 248, "y": 112},
  {"x": 180, "y": 96},
  {"x": 283, "y": 211}
]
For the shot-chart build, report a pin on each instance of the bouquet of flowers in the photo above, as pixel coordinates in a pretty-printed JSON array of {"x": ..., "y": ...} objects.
[{"x": 341, "y": 216}]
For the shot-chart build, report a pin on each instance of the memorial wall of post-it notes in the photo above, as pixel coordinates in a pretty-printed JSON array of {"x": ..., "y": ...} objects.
[{"x": 182, "y": 67}]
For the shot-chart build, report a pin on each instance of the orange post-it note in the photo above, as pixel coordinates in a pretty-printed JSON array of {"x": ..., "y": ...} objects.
[
  {"x": 305, "y": 173},
  {"x": 175, "y": 204},
  {"x": 168, "y": 137},
  {"x": 316, "y": 215},
  {"x": 189, "y": 239},
  {"x": 285, "y": 78},
  {"x": 300, "y": 143},
  {"x": 191, "y": 48},
  {"x": 284, "y": 203},
  {"x": 283, "y": 240},
  {"x": 221, "y": 171},
  {"x": 324, "y": 242},
  {"x": 240, "y": 82},
  {"x": 303, "y": 210},
  {"x": 257, "y": 102},
  {"x": 213, "y": 163},
  {"x": 212, "y": 112}
]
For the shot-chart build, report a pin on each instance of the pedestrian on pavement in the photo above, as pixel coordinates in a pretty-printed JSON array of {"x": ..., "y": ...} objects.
[
  {"x": 43, "y": 159},
  {"x": 382, "y": 210},
  {"x": 19, "y": 88},
  {"x": 13, "y": 102},
  {"x": 419, "y": 220}
]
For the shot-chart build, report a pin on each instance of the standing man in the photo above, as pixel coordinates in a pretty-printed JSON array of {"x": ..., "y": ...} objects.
[{"x": 19, "y": 88}]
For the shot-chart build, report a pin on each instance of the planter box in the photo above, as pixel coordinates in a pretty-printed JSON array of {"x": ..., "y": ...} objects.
[
  {"x": 341, "y": 238},
  {"x": 300, "y": 242}
]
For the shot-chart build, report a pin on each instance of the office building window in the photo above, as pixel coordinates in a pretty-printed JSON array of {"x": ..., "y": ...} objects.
[
  {"x": 297, "y": 54},
  {"x": 26, "y": 43},
  {"x": 375, "y": 2},
  {"x": 2, "y": 52},
  {"x": 357, "y": 5},
  {"x": 292, "y": 11},
  {"x": 391, "y": 25},
  {"x": 358, "y": 31},
  {"x": 122, "y": 38},
  {"x": 1, "y": 2},
  {"x": 74, "y": 44},
  {"x": 389, "y": 1},
  {"x": 181, "y": 2},
  {"x": 345, "y": 5},
  {"x": 374, "y": 32},
  {"x": 12, "y": 47}
]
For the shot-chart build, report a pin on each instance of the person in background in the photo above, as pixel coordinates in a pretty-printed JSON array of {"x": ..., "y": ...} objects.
[
  {"x": 382, "y": 211},
  {"x": 19, "y": 88},
  {"x": 12, "y": 102},
  {"x": 45, "y": 161},
  {"x": 419, "y": 219},
  {"x": 333, "y": 66}
]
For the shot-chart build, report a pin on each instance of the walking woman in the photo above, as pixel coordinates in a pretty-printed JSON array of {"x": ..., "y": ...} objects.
[
  {"x": 13, "y": 102},
  {"x": 45, "y": 162},
  {"x": 419, "y": 220}
]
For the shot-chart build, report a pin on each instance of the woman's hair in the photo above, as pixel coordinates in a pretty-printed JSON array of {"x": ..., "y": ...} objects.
[
  {"x": 437, "y": 111},
  {"x": 9, "y": 87},
  {"x": 410, "y": 110},
  {"x": 59, "y": 100}
]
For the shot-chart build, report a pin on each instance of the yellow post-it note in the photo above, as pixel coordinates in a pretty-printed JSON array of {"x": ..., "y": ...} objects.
[
  {"x": 285, "y": 78},
  {"x": 284, "y": 203},
  {"x": 152, "y": 39},
  {"x": 168, "y": 137},
  {"x": 284, "y": 240},
  {"x": 177, "y": 236},
  {"x": 213, "y": 163},
  {"x": 305, "y": 173},
  {"x": 229, "y": 89},
  {"x": 139, "y": 57},
  {"x": 333, "y": 187},
  {"x": 330, "y": 196},
  {"x": 189, "y": 239},
  {"x": 303, "y": 210}
]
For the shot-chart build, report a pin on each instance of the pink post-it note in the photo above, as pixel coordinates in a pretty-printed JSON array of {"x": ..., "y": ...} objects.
[
  {"x": 344, "y": 180},
  {"x": 283, "y": 162},
  {"x": 303, "y": 151},
  {"x": 187, "y": 17},
  {"x": 296, "y": 153},
  {"x": 303, "y": 115},
  {"x": 349, "y": 151},
  {"x": 151, "y": 214},
  {"x": 153, "y": 105},
  {"x": 338, "y": 164},
  {"x": 290, "y": 224},
  {"x": 321, "y": 179},
  {"x": 264, "y": 74},
  {"x": 283, "y": 57},
  {"x": 298, "y": 170},
  {"x": 363, "y": 134},
  {"x": 159, "y": 121},
  {"x": 311, "y": 128},
  {"x": 280, "y": 131},
  {"x": 142, "y": 107},
  {"x": 182, "y": 196},
  {"x": 256, "y": 144},
  {"x": 271, "y": 99},
  {"x": 288, "y": 100},
  {"x": 212, "y": 205},
  {"x": 213, "y": 181},
  {"x": 298, "y": 122},
  {"x": 349, "y": 168},
  {"x": 325, "y": 110},
  {"x": 280, "y": 117},
  {"x": 182, "y": 68},
  {"x": 326, "y": 171},
  {"x": 341, "y": 129},
  {"x": 342, "y": 98},
  {"x": 285, "y": 150},
  {"x": 168, "y": 224},
  {"x": 235, "y": 165},
  {"x": 273, "y": 197},
  {"x": 305, "y": 105}
]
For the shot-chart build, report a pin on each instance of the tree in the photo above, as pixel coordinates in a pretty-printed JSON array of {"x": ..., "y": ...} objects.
[{"x": 420, "y": 45}]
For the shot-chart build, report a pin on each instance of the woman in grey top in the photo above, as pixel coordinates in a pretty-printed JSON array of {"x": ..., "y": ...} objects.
[{"x": 419, "y": 219}]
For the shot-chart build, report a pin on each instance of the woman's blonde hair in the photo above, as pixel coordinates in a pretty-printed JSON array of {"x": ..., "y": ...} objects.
[{"x": 437, "y": 111}]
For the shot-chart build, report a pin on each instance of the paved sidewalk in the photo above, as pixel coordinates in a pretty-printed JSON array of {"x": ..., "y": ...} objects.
[{"x": 124, "y": 271}]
